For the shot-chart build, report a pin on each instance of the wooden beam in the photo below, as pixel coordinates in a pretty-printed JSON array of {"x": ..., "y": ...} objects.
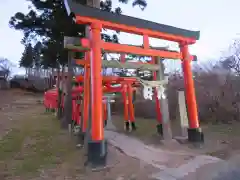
[
  {"x": 83, "y": 44},
  {"x": 112, "y": 79},
  {"x": 117, "y": 64},
  {"x": 121, "y": 48}
]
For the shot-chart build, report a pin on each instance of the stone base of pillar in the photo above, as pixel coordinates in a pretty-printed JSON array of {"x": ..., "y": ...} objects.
[{"x": 195, "y": 135}]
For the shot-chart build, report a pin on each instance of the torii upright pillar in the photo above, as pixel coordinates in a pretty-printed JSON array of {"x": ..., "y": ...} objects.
[
  {"x": 195, "y": 133},
  {"x": 97, "y": 150}
]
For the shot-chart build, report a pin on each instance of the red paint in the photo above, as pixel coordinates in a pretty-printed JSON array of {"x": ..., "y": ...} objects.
[
  {"x": 130, "y": 103},
  {"x": 157, "y": 103},
  {"x": 189, "y": 89},
  {"x": 134, "y": 30},
  {"x": 96, "y": 82}
]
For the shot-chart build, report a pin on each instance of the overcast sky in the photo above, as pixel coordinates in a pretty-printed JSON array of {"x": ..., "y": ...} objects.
[{"x": 217, "y": 20}]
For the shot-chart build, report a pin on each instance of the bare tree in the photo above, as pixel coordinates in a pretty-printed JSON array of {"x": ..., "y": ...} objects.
[
  {"x": 232, "y": 61},
  {"x": 5, "y": 67}
]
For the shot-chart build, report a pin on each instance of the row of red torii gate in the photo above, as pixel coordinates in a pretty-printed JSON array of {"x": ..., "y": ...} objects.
[{"x": 94, "y": 85}]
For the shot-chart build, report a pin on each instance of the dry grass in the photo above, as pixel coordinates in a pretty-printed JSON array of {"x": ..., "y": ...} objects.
[
  {"x": 33, "y": 146},
  {"x": 37, "y": 143},
  {"x": 146, "y": 128},
  {"x": 222, "y": 140}
]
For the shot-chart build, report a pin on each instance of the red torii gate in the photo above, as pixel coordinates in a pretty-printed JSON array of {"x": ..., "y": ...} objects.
[
  {"x": 97, "y": 20},
  {"x": 125, "y": 88}
]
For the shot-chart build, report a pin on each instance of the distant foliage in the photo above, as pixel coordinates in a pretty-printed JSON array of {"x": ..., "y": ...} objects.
[{"x": 37, "y": 55}]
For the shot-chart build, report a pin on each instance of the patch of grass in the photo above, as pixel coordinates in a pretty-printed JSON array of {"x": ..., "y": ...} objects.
[
  {"x": 37, "y": 143},
  {"x": 146, "y": 128},
  {"x": 11, "y": 144},
  {"x": 224, "y": 129}
]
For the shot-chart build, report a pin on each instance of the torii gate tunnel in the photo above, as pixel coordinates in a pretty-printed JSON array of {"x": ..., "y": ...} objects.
[{"x": 97, "y": 20}]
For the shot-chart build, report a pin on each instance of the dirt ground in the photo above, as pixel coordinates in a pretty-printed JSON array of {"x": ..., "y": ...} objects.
[{"x": 32, "y": 146}]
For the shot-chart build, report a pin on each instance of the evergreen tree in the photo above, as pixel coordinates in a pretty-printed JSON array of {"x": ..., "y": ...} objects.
[
  {"x": 48, "y": 20},
  {"x": 26, "y": 60},
  {"x": 37, "y": 53}
]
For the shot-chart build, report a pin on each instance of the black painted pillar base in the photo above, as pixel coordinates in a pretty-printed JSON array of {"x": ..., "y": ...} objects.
[
  {"x": 159, "y": 129},
  {"x": 195, "y": 135},
  {"x": 127, "y": 126},
  {"x": 133, "y": 126},
  {"x": 97, "y": 153}
]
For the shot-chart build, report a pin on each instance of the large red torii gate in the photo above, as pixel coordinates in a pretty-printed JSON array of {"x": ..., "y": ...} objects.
[{"x": 97, "y": 20}]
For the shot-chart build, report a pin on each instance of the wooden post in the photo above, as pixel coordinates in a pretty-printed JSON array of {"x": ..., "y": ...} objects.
[
  {"x": 183, "y": 118},
  {"x": 59, "y": 109},
  {"x": 109, "y": 125},
  {"x": 67, "y": 120},
  {"x": 166, "y": 128}
]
